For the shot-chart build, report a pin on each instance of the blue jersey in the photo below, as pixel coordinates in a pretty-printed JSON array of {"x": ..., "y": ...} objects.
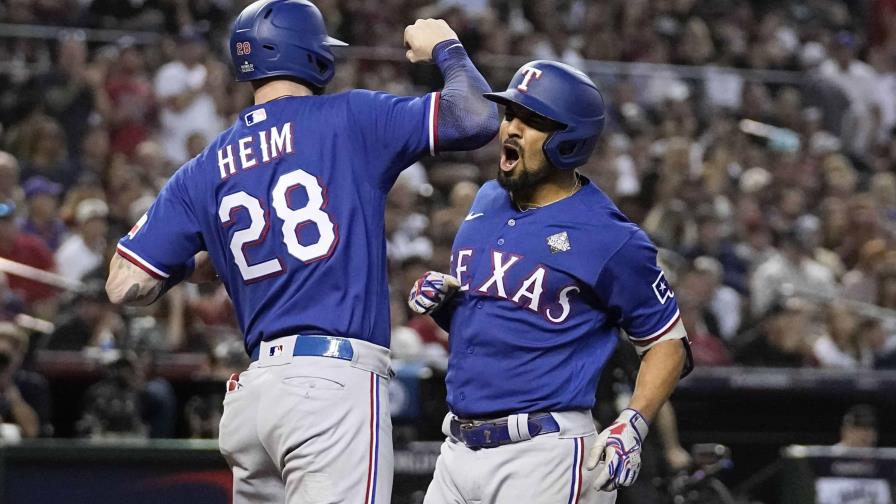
[
  {"x": 543, "y": 293},
  {"x": 289, "y": 202}
]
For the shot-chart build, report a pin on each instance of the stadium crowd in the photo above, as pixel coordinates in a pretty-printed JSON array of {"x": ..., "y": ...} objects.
[{"x": 754, "y": 141}]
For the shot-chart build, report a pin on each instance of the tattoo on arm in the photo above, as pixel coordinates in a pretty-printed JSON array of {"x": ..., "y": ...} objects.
[
  {"x": 143, "y": 294},
  {"x": 128, "y": 284}
]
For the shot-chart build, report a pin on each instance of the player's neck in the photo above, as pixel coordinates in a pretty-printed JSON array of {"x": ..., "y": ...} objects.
[
  {"x": 278, "y": 89},
  {"x": 559, "y": 185}
]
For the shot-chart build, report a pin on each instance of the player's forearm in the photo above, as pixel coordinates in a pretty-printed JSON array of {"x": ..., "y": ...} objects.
[
  {"x": 129, "y": 285},
  {"x": 466, "y": 120},
  {"x": 660, "y": 370}
]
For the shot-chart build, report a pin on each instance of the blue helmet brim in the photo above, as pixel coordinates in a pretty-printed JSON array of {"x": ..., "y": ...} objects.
[{"x": 507, "y": 97}]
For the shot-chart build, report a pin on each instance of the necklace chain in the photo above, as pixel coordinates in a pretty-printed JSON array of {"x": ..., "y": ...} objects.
[{"x": 525, "y": 207}]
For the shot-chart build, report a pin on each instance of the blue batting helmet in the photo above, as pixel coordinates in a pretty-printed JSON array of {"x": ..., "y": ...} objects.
[
  {"x": 283, "y": 38},
  {"x": 565, "y": 95}
]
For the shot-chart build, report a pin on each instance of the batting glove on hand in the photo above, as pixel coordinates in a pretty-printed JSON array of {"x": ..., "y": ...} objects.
[
  {"x": 617, "y": 451},
  {"x": 431, "y": 290}
]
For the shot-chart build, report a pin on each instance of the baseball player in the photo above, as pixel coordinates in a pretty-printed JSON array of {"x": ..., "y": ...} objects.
[
  {"x": 287, "y": 206},
  {"x": 544, "y": 271}
]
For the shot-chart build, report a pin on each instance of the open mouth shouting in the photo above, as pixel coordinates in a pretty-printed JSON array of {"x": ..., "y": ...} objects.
[{"x": 510, "y": 156}]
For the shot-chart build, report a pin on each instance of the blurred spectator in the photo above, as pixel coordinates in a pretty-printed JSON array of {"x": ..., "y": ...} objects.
[
  {"x": 151, "y": 164},
  {"x": 95, "y": 153},
  {"x": 203, "y": 415},
  {"x": 841, "y": 345},
  {"x": 860, "y": 283},
  {"x": 724, "y": 303},
  {"x": 858, "y": 81},
  {"x": 132, "y": 103},
  {"x": 880, "y": 340},
  {"x": 31, "y": 251},
  {"x": 124, "y": 404},
  {"x": 808, "y": 231},
  {"x": 112, "y": 407},
  {"x": 90, "y": 320},
  {"x": 67, "y": 91},
  {"x": 712, "y": 243},
  {"x": 886, "y": 282},
  {"x": 186, "y": 104},
  {"x": 85, "y": 249},
  {"x": 790, "y": 271},
  {"x": 196, "y": 142},
  {"x": 783, "y": 338},
  {"x": 446, "y": 221},
  {"x": 694, "y": 289},
  {"x": 44, "y": 152},
  {"x": 42, "y": 218},
  {"x": 24, "y": 395},
  {"x": 859, "y": 427},
  {"x": 9, "y": 179},
  {"x": 406, "y": 226}
]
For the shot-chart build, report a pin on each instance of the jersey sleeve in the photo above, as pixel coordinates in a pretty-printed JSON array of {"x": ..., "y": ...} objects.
[
  {"x": 636, "y": 292},
  {"x": 168, "y": 235},
  {"x": 398, "y": 130}
]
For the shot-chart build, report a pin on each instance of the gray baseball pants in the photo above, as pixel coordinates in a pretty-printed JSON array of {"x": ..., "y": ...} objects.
[
  {"x": 547, "y": 469},
  {"x": 310, "y": 430}
]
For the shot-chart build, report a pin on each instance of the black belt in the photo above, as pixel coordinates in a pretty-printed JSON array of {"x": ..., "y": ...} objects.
[{"x": 476, "y": 435}]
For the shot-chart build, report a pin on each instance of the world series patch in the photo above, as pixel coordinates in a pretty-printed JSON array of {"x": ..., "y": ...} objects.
[{"x": 559, "y": 242}]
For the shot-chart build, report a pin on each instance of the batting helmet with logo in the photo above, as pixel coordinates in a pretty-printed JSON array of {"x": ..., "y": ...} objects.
[
  {"x": 565, "y": 95},
  {"x": 283, "y": 38}
]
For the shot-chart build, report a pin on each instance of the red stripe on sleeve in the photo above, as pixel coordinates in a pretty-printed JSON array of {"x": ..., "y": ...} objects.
[{"x": 138, "y": 264}]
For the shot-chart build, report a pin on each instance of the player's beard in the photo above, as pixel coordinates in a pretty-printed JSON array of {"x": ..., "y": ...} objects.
[{"x": 521, "y": 179}]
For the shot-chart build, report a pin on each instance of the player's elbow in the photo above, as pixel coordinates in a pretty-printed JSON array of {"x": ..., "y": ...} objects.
[
  {"x": 115, "y": 291},
  {"x": 466, "y": 123},
  {"x": 483, "y": 130}
]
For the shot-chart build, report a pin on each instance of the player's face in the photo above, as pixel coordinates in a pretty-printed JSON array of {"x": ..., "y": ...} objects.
[{"x": 523, "y": 134}]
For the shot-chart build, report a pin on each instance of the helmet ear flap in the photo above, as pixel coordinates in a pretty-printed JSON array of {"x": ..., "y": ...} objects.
[{"x": 567, "y": 154}]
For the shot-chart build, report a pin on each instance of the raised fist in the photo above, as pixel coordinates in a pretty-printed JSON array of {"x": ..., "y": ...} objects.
[{"x": 423, "y": 35}]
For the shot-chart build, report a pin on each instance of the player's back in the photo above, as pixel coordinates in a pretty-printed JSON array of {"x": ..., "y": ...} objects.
[{"x": 289, "y": 202}]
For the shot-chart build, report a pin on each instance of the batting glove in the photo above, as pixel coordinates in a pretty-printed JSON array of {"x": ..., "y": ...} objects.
[
  {"x": 431, "y": 290},
  {"x": 617, "y": 451}
]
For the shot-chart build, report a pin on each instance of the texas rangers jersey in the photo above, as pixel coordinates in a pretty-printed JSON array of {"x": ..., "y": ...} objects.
[
  {"x": 543, "y": 294},
  {"x": 289, "y": 203}
]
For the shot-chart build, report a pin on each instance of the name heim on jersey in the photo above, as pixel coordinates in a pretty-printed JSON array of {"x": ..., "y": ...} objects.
[{"x": 271, "y": 144}]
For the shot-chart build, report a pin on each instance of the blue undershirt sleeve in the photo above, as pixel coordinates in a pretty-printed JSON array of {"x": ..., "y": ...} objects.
[{"x": 465, "y": 120}]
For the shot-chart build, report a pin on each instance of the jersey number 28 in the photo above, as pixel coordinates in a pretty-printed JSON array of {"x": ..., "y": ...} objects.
[{"x": 293, "y": 220}]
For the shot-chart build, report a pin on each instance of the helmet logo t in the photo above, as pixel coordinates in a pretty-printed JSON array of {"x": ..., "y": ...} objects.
[{"x": 530, "y": 72}]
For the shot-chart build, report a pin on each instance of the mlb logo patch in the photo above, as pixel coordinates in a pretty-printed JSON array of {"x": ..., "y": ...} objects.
[
  {"x": 255, "y": 117},
  {"x": 275, "y": 351},
  {"x": 661, "y": 289}
]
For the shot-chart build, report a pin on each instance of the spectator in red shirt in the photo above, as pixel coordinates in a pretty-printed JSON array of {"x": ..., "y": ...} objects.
[
  {"x": 32, "y": 251},
  {"x": 133, "y": 106}
]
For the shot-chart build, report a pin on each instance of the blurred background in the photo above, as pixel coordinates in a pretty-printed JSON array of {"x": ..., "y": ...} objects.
[{"x": 755, "y": 141}]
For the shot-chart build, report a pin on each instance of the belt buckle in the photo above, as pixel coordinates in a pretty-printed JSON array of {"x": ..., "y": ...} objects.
[{"x": 487, "y": 430}]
